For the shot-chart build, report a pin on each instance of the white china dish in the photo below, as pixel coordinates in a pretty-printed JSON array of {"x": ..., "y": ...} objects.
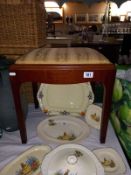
[
  {"x": 72, "y": 98},
  {"x": 71, "y": 159},
  {"x": 93, "y": 116},
  {"x": 111, "y": 161},
  {"x": 28, "y": 162},
  {"x": 63, "y": 129}
]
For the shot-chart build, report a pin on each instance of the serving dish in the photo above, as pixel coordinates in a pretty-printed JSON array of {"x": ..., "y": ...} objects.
[
  {"x": 63, "y": 129},
  {"x": 71, "y": 159},
  {"x": 28, "y": 162},
  {"x": 111, "y": 161},
  {"x": 93, "y": 116},
  {"x": 66, "y": 99}
]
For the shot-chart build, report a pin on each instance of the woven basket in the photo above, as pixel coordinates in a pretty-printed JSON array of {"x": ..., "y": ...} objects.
[{"x": 22, "y": 25}]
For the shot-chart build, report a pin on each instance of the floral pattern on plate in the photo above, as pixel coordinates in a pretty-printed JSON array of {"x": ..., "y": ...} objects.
[{"x": 29, "y": 166}]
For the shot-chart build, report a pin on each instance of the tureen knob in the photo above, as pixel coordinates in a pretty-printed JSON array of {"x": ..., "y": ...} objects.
[{"x": 72, "y": 159}]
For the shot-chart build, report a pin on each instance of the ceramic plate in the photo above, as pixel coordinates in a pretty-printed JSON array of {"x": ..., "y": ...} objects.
[
  {"x": 93, "y": 116},
  {"x": 71, "y": 159},
  {"x": 72, "y": 98},
  {"x": 111, "y": 161},
  {"x": 28, "y": 162},
  {"x": 63, "y": 129}
]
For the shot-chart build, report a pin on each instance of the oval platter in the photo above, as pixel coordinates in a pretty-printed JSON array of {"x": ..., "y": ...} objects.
[
  {"x": 63, "y": 129},
  {"x": 28, "y": 162},
  {"x": 71, "y": 99}
]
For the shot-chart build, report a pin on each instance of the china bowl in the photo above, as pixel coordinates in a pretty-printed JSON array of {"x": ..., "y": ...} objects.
[{"x": 111, "y": 161}]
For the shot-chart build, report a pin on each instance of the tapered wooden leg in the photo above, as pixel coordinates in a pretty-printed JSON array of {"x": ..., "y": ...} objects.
[
  {"x": 107, "y": 100},
  {"x": 19, "y": 113},
  {"x": 35, "y": 90}
]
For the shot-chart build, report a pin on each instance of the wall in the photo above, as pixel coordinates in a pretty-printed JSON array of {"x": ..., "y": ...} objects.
[
  {"x": 99, "y": 7},
  {"x": 72, "y": 8}
]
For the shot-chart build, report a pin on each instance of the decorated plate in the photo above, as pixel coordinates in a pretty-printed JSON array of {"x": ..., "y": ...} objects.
[
  {"x": 65, "y": 99},
  {"x": 93, "y": 116},
  {"x": 71, "y": 159},
  {"x": 63, "y": 129},
  {"x": 111, "y": 161},
  {"x": 28, "y": 162}
]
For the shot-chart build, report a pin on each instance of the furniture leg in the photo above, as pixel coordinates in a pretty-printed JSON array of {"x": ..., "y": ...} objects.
[
  {"x": 20, "y": 116},
  {"x": 107, "y": 100}
]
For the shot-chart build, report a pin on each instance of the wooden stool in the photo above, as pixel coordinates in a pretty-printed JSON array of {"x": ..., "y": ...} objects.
[{"x": 63, "y": 66}]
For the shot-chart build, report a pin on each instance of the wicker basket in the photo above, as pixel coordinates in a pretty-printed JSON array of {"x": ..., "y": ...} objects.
[{"x": 22, "y": 26}]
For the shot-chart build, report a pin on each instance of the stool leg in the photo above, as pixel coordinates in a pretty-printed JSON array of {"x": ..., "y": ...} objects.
[
  {"x": 15, "y": 85},
  {"x": 35, "y": 90},
  {"x": 107, "y": 100}
]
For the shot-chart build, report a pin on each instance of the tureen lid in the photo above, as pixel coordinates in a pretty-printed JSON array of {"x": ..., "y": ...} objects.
[{"x": 71, "y": 159}]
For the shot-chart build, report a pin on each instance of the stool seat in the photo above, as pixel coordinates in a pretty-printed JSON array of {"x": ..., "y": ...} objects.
[{"x": 63, "y": 56}]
